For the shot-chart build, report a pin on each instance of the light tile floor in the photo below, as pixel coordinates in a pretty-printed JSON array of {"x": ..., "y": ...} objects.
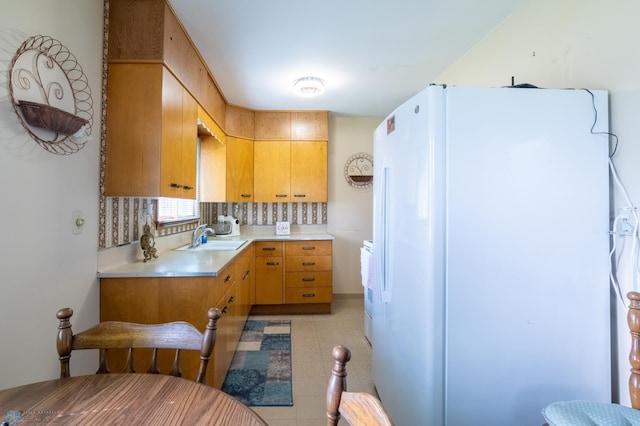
[{"x": 312, "y": 340}]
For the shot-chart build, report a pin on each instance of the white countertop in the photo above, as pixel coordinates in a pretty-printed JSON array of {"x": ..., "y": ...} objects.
[{"x": 193, "y": 263}]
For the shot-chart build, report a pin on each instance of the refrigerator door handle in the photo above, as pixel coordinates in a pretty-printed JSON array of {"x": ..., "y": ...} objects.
[{"x": 381, "y": 255}]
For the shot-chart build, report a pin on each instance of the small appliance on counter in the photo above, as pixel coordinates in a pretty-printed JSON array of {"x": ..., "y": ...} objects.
[{"x": 228, "y": 226}]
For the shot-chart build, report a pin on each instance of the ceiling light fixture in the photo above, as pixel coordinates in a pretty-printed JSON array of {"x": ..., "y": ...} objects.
[{"x": 309, "y": 86}]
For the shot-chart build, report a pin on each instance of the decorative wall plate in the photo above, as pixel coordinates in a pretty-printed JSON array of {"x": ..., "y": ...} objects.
[
  {"x": 51, "y": 95},
  {"x": 358, "y": 170}
]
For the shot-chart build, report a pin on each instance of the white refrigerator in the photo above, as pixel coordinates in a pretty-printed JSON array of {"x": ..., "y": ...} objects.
[{"x": 491, "y": 294}]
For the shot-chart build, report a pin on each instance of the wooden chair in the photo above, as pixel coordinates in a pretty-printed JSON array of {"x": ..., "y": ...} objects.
[
  {"x": 107, "y": 335},
  {"x": 577, "y": 413},
  {"x": 357, "y": 408}
]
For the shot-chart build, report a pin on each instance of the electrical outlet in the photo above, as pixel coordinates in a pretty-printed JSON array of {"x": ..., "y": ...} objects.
[
  {"x": 626, "y": 219},
  {"x": 625, "y": 227},
  {"x": 78, "y": 222}
]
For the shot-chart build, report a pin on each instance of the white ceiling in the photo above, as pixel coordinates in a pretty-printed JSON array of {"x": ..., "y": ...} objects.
[{"x": 373, "y": 55}]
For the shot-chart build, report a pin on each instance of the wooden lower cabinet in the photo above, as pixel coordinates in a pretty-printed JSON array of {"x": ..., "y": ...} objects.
[
  {"x": 303, "y": 285},
  {"x": 267, "y": 277},
  {"x": 165, "y": 299},
  {"x": 269, "y": 267}
]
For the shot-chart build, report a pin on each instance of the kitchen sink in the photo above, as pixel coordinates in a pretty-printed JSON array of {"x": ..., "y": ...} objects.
[{"x": 213, "y": 244}]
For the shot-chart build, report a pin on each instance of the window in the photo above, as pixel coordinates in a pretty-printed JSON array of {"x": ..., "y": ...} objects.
[{"x": 177, "y": 209}]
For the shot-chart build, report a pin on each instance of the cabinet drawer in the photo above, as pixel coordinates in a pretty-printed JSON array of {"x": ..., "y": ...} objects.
[
  {"x": 269, "y": 248},
  {"x": 269, "y": 264},
  {"x": 308, "y": 279},
  {"x": 308, "y": 263},
  {"x": 308, "y": 295},
  {"x": 308, "y": 248}
]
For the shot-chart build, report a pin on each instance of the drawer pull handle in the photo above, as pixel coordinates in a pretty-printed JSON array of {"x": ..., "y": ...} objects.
[
  {"x": 308, "y": 248},
  {"x": 232, "y": 299},
  {"x": 175, "y": 185},
  {"x": 225, "y": 309},
  {"x": 245, "y": 195},
  {"x": 308, "y": 263},
  {"x": 227, "y": 278},
  {"x": 273, "y": 263},
  {"x": 188, "y": 188},
  {"x": 268, "y": 248},
  {"x": 308, "y": 279},
  {"x": 246, "y": 274},
  {"x": 299, "y": 195},
  {"x": 308, "y": 295},
  {"x": 281, "y": 195}
]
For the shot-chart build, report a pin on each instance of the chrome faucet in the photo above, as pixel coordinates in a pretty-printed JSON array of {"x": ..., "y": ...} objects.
[{"x": 198, "y": 232}]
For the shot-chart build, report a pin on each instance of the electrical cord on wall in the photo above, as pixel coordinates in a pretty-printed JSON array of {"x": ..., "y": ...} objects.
[
  {"x": 633, "y": 212},
  {"x": 632, "y": 209}
]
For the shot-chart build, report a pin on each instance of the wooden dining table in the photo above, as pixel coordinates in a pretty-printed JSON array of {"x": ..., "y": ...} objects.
[{"x": 115, "y": 399}]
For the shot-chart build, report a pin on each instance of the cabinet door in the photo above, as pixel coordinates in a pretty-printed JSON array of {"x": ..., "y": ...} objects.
[
  {"x": 272, "y": 125},
  {"x": 179, "y": 134},
  {"x": 189, "y": 152},
  {"x": 272, "y": 171},
  {"x": 308, "y": 171},
  {"x": 134, "y": 130},
  {"x": 309, "y": 125},
  {"x": 269, "y": 280},
  {"x": 269, "y": 272},
  {"x": 239, "y": 169},
  {"x": 171, "y": 157}
]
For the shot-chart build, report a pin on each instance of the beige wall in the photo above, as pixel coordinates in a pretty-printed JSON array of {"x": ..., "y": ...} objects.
[
  {"x": 573, "y": 43},
  {"x": 350, "y": 209},
  {"x": 44, "y": 266}
]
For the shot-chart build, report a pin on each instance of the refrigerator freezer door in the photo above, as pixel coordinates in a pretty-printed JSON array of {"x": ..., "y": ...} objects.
[{"x": 408, "y": 241}]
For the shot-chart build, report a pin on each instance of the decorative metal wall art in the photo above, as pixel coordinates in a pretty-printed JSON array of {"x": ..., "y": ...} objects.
[
  {"x": 358, "y": 170},
  {"x": 51, "y": 95}
]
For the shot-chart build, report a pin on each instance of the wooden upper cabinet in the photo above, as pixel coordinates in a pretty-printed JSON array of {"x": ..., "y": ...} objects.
[
  {"x": 239, "y": 176},
  {"x": 308, "y": 171},
  {"x": 240, "y": 122},
  {"x": 136, "y": 30},
  {"x": 271, "y": 171},
  {"x": 310, "y": 125},
  {"x": 290, "y": 156},
  {"x": 189, "y": 153},
  {"x": 151, "y": 133},
  {"x": 148, "y": 31},
  {"x": 274, "y": 125}
]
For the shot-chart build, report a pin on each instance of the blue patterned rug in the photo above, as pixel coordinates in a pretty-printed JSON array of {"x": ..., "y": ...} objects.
[{"x": 260, "y": 372}]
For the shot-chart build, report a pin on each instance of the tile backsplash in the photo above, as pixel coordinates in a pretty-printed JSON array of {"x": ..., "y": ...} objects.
[{"x": 120, "y": 217}]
